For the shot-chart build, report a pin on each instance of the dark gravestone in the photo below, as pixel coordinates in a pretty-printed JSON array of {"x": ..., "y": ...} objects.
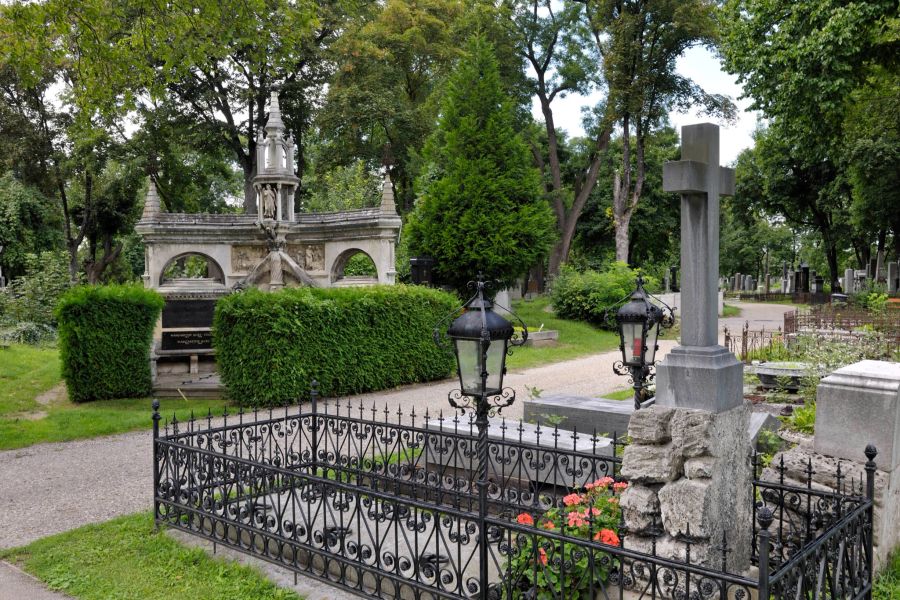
[
  {"x": 188, "y": 313},
  {"x": 420, "y": 270},
  {"x": 804, "y": 278},
  {"x": 187, "y": 340}
]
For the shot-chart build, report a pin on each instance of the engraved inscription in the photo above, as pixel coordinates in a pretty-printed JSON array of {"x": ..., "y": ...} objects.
[{"x": 187, "y": 340}]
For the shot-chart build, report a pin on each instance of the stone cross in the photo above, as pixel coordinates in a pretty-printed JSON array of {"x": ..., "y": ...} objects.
[
  {"x": 700, "y": 181},
  {"x": 699, "y": 373}
]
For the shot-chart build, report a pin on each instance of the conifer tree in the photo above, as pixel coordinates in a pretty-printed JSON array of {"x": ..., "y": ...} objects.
[{"x": 481, "y": 207}]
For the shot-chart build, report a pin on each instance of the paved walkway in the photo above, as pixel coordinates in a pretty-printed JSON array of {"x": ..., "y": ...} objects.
[
  {"x": 15, "y": 584},
  {"x": 51, "y": 488}
]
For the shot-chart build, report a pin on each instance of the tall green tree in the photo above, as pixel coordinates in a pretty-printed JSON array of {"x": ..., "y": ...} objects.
[
  {"x": 481, "y": 208},
  {"x": 29, "y": 224}
]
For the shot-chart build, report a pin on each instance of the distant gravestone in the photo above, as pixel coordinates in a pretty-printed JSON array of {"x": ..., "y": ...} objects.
[
  {"x": 893, "y": 275},
  {"x": 848, "y": 281}
]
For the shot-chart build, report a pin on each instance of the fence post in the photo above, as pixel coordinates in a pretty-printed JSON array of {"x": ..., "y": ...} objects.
[
  {"x": 744, "y": 335},
  {"x": 314, "y": 424},
  {"x": 764, "y": 516},
  {"x": 156, "y": 419},
  {"x": 871, "y": 453}
]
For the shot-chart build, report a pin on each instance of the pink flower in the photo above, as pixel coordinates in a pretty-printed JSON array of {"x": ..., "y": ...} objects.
[
  {"x": 524, "y": 519},
  {"x": 591, "y": 511},
  {"x": 548, "y": 525},
  {"x": 572, "y": 499},
  {"x": 619, "y": 486},
  {"x": 604, "y": 481},
  {"x": 589, "y": 486},
  {"x": 542, "y": 556},
  {"x": 575, "y": 519},
  {"x": 613, "y": 500}
]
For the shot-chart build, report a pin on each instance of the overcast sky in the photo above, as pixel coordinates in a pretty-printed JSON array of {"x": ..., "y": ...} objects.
[{"x": 705, "y": 69}]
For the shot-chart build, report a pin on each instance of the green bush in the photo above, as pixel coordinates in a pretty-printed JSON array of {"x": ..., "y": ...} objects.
[
  {"x": 104, "y": 340},
  {"x": 270, "y": 346},
  {"x": 594, "y": 296}
]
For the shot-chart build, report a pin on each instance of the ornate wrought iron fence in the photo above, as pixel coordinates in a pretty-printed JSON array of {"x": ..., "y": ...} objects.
[
  {"x": 745, "y": 342},
  {"x": 386, "y": 505}
]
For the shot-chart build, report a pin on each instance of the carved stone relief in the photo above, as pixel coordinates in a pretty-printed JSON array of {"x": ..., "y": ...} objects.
[
  {"x": 245, "y": 257},
  {"x": 309, "y": 257}
]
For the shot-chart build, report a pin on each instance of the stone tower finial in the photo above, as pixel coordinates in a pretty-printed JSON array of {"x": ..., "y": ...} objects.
[
  {"x": 274, "y": 125},
  {"x": 387, "y": 195},
  {"x": 151, "y": 201}
]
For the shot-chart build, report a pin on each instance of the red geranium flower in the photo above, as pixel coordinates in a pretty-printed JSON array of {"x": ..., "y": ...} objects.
[{"x": 524, "y": 519}]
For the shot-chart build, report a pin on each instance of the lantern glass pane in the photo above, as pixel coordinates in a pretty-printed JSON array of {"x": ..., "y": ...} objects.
[
  {"x": 495, "y": 360},
  {"x": 652, "y": 334},
  {"x": 632, "y": 337},
  {"x": 468, "y": 356}
]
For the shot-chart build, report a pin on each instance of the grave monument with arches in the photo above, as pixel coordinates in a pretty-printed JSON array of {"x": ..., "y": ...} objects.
[{"x": 194, "y": 259}]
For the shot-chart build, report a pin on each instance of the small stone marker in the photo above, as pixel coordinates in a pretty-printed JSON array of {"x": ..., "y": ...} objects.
[{"x": 848, "y": 281}]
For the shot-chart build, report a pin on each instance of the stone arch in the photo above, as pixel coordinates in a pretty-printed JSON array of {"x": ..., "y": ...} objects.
[
  {"x": 340, "y": 264},
  {"x": 213, "y": 273}
]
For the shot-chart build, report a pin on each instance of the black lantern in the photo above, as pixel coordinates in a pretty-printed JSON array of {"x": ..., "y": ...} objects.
[
  {"x": 481, "y": 341},
  {"x": 639, "y": 321}
]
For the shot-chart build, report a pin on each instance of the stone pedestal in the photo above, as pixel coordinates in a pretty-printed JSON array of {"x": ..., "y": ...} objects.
[
  {"x": 858, "y": 405},
  {"x": 690, "y": 479},
  {"x": 707, "y": 377}
]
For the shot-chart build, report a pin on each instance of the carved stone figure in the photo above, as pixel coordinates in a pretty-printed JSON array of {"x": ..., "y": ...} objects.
[
  {"x": 315, "y": 257},
  {"x": 268, "y": 198}
]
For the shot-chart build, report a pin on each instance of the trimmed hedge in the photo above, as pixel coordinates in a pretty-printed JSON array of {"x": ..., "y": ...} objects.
[
  {"x": 270, "y": 346},
  {"x": 104, "y": 340},
  {"x": 589, "y": 295}
]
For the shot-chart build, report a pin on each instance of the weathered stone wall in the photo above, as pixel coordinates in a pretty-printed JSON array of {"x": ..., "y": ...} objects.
[{"x": 691, "y": 481}]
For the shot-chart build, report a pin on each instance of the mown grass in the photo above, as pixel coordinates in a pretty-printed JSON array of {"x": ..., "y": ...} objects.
[
  {"x": 576, "y": 338},
  {"x": 126, "y": 559},
  {"x": 730, "y": 311},
  {"x": 27, "y": 372},
  {"x": 626, "y": 394}
]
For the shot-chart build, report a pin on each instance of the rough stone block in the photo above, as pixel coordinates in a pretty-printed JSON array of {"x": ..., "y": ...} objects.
[
  {"x": 684, "y": 505},
  {"x": 699, "y": 468},
  {"x": 670, "y": 548},
  {"x": 651, "y": 464},
  {"x": 640, "y": 507},
  {"x": 650, "y": 426},
  {"x": 690, "y": 431}
]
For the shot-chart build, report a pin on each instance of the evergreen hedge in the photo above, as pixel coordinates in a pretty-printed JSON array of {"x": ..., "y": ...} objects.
[
  {"x": 104, "y": 340},
  {"x": 270, "y": 346}
]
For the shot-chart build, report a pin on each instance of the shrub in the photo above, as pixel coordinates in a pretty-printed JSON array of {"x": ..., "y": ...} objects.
[
  {"x": 104, "y": 340},
  {"x": 270, "y": 346},
  {"x": 27, "y": 332},
  {"x": 32, "y": 297},
  {"x": 593, "y": 296}
]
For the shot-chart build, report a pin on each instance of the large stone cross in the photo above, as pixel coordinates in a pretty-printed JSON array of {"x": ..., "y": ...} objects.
[
  {"x": 699, "y": 373},
  {"x": 700, "y": 181}
]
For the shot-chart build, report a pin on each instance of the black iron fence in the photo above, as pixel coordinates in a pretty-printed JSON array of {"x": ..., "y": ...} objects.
[{"x": 386, "y": 505}]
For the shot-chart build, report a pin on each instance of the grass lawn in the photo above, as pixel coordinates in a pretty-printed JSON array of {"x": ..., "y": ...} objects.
[
  {"x": 626, "y": 394},
  {"x": 730, "y": 311},
  {"x": 575, "y": 337},
  {"x": 26, "y": 373},
  {"x": 125, "y": 559}
]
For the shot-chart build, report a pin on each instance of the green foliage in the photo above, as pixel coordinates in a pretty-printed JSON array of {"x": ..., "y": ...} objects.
[
  {"x": 360, "y": 265},
  {"x": 26, "y": 332},
  {"x": 126, "y": 558},
  {"x": 593, "y": 296},
  {"x": 29, "y": 224},
  {"x": 481, "y": 208},
  {"x": 32, "y": 297},
  {"x": 537, "y": 560},
  {"x": 270, "y": 346},
  {"x": 803, "y": 419},
  {"x": 343, "y": 188},
  {"x": 104, "y": 340},
  {"x": 887, "y": 585}
]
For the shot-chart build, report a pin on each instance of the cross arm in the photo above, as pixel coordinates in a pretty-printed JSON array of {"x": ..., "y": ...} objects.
[{"x": 690, "y": 177}]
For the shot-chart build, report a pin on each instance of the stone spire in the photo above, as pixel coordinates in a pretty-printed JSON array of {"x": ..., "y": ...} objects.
[
  {"x": 274, "y": 126},
  {"x": 387, "y": 195},
  {"x": 151, "y": 202}
]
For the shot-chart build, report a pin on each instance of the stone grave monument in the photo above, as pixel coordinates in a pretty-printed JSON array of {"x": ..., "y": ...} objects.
[
  {"x": 194, "y": 259},
  {"x": 689, "y": 460},
  {"x": 893, "y": 277}
]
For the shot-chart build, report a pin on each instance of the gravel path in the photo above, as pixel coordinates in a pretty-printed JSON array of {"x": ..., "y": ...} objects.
[{"x": 50, "y": 488}]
